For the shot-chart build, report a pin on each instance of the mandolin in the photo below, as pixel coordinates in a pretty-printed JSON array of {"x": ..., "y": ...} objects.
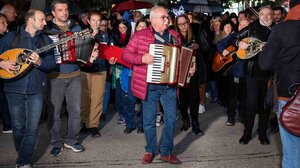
[{"x": 20, "y": 55}]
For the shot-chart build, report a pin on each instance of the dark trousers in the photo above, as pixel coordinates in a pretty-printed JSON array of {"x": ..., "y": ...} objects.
[
  {"x": 236, "y": 93},
  {"x": 6, "y": 120},
  {"x": 256, "y": 92},
  {"x": 189, "y": 97}
]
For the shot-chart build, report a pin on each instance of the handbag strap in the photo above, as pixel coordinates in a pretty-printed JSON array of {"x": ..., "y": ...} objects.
[{"x": 297, "y": 85}]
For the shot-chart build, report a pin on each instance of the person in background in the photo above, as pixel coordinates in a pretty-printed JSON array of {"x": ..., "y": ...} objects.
[
  {"x": 236, "y": 82},
  {"x": 189, "y": 97},
  {"x": 141, "y": 25},
  {"x": 106, "y": 37},
  {"x": 11, "y": 14},
  {"x": 25, "y": 93},
  {"x": 242, "y": 16},
  {"x": 6, "y": 120},
  {"x": 93, "y": 77},
  {"x": 83, "y": 19},
  {"x": 281, "y": 54},
  {"x": 278, "y": 14}
]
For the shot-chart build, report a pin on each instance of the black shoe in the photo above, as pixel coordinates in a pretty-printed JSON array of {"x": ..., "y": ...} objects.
[
  {"x": 128, "y": 130},
  {"x": 241, "y": 121},
  {"x": 195, "y": 128},
  {"x": 186, "y": 125},
  {"x": 229, "y": 123},
  {"x": 264, "y": 140},
  {"x": 140, "y": 130},
  {"x": 83, "y": 129},
  {"x": 102, "y": 118},
  {"x": 245, "y": 140},
  {"x": 95, "y": 133}
]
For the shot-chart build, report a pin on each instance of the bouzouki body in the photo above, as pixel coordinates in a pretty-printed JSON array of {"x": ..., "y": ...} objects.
[
  {"x": 223, "y": 63},
  {"x": 18, "y": 55},
  {"x": 252, "y": 50}
]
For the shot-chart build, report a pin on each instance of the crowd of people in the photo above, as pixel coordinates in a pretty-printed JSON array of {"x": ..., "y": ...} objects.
[{"x": 51, "y": 83}]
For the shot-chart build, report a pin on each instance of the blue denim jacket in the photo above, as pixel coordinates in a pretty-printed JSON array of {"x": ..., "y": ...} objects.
[{"x": 34, "y": 79}]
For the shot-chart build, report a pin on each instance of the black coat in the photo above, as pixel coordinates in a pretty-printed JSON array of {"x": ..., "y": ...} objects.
[
  {"x": 262, "y": 33},
  {"x": 282, "y": 54}
]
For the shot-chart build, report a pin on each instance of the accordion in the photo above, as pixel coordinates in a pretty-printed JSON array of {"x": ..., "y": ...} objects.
[
  {"x": 171, "y": 65},
  {"x": 76, "y": 50}
]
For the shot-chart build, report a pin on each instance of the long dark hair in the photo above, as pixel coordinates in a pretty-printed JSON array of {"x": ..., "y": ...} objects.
[{"x": 128, "y": 32}]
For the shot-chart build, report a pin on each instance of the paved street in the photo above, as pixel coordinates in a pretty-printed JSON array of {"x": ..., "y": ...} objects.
[{"x": 218, "y": 148}]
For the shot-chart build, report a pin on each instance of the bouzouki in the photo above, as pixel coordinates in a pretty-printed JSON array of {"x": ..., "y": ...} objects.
[
  {"x": 223, "y": 63},
  {"x": 20, "y": 55},
  {"x": 252, "y": 50}
]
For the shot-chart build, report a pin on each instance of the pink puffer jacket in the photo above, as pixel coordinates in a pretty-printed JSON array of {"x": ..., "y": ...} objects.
[{"x": 135, "y": 49}]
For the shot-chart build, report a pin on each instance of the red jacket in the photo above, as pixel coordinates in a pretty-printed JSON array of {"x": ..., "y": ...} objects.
[{"x": 135, "y": 49}]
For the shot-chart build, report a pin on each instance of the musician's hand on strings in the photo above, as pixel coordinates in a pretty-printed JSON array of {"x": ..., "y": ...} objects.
[
  {"x": 147, "y": 59},
  {"x": 8, "y": 66},
  {"x": 112, "y": 61},
  {"x": 35, "y": 59},
  {"x": 243, "y": 45},
  {"x": 225, "y": 52}
]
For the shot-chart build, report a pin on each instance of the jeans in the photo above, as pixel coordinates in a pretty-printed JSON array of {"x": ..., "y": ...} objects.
[
  {"x": 106, "y": 96},
  {"x": 119, "y": 102},
  {"x": 129, "y": 106},
  {"x": 290, "y": 144},
  {"x": 25, "y": 112},
  {"x": 167, "y": 97},
  {"x": 60, "y": 89}
]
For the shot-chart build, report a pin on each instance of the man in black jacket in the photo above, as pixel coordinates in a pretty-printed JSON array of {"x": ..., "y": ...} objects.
[
  {"x": 256, "y": 78},
  {"x": 282, "y": 54}
]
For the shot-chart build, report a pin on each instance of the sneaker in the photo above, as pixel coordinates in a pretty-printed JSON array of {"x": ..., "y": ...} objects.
[
  {"x": 75, "y": 147},
  {"x": 229, "y": 123},
  {"x": 56, "y": 151},
  {"x": 7, "y": 131},
  {"x": 159, "y": 119},
  {"x": 23, "y": 166},
  {"x": 121, "y": 121},
  {"x": 201, "y": 109},
  {"x": 207, "y": 95}
]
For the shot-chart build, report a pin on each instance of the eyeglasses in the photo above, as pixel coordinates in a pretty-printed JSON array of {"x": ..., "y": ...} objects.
[
  {"x": 163, "y": 17},
  {"x": 182, "y": 24}
]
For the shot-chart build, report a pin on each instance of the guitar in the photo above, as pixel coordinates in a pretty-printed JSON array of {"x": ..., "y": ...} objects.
[
  {"x": 20, "y": 55},
  {"x": 223, "y": 63},
  {"x": 253, "y": 48}
]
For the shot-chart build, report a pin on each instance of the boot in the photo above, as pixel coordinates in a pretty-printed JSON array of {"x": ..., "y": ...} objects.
[
  {"x": 186, "y": 125},
  {"x": 196, "y": 128}
]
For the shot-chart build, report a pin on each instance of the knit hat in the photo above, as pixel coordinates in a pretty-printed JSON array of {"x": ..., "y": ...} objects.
[{"x": 294, "y": 3}]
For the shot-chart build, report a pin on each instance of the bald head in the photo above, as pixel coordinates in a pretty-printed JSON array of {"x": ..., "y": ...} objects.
[
  {"x": 159, "y": 19},
  {"x": 242, "y": 24},
  {"x": 9, "y": 11}
]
